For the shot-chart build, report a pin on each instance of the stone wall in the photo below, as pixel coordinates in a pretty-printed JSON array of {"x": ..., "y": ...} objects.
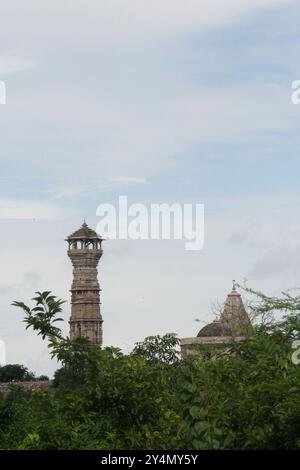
[
  {"x": 28, "y": 386},
  {"x": 189, "y": 348}
]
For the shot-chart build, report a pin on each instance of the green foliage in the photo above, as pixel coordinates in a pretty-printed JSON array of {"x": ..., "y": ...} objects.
[
  {"x": 159, "y": 349},
  {"x": 42, "y": 378},
  {"x": 246, "y": 398},
  {"x": 14, "y": 373},
  {"x": 244, "y": 401},
  {"x": 43, "y": 316}
]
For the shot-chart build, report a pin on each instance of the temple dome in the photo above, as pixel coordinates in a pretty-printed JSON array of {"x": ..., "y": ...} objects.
[{"x": 215, "y": 328}]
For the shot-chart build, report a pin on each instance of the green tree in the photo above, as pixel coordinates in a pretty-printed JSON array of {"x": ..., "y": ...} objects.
[
  {"x": 248, "y": 398},
  {"x": 107, "y": 399},
  {"x": 159, "y": 349},
  {"x": 14, "y": 373}
]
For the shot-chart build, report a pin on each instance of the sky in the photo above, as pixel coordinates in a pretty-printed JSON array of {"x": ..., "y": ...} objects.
[{"x": 164, "y": 102}]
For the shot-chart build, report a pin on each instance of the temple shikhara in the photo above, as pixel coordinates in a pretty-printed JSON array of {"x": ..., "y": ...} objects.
[
  {"x": 233, "y": 324},
  {"x": 85, "y": 251}
]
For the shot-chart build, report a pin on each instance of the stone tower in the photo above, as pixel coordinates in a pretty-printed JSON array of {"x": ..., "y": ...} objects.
[{"x": 85, "y": 251}]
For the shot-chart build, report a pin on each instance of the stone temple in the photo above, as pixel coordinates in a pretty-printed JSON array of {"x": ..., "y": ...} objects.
[
  {"x": 85, "y": 251},
  {"x": 233, "y": 324}
]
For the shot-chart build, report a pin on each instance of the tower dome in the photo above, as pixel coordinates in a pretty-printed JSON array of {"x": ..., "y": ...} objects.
[
  {"x": 84, "y": 231},
  {"x": 84, "y": 237}
]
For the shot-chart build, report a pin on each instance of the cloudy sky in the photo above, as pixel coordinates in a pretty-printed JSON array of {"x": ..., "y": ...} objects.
[{"x": 162, "y": 101}]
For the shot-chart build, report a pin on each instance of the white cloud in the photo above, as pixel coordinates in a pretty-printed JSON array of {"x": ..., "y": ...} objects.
[
  {"x": 22, "y": 209},
  {"x": 10, "y": 65},
  {"x": 281, "y": 260},
  {"x": 30, "y": 280},
  {"x": 122, "y": 133},
  {"x": 127, "y": 179},
  {"x": 66, "y": 191},
  {"x": 123, "y": 112},
  {"x": 111, "y": 19}
]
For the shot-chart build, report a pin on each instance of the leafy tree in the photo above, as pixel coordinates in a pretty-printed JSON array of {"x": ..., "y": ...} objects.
[
  {"x": 14, "y": 373},
  {"x": 107, "y": 399},
  {"x": 248, "y": 398},
  {"x": 42, "y": 378},
  {"x": 159, "y": 349}
]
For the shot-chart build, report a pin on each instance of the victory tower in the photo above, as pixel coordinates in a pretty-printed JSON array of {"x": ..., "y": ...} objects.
[{"x": 85, "y": 251}]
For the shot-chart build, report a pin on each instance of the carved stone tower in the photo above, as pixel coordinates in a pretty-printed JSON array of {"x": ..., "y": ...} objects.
[{"x": 85, "y": 251}]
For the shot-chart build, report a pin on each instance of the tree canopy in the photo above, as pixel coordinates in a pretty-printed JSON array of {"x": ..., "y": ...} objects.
[{"x": 247, "y": 398}]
